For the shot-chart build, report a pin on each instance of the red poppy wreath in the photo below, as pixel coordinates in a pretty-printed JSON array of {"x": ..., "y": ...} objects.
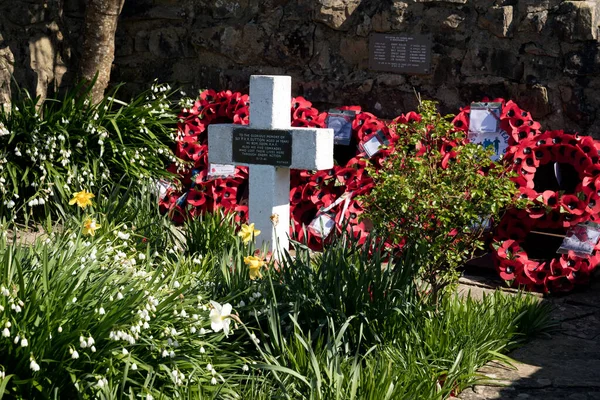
[
  {"x": 332, "y": 192},
  {"x": 560, "y": 174}
]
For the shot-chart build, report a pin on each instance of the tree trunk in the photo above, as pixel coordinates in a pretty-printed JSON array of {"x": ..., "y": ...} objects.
[{"x": 99, "y": 43}]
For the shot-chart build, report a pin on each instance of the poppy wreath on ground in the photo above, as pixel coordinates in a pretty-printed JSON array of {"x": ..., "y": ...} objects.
[
  {"x": 333, "y": 190},
  {"x": 521, "y": 257},
  {"x": 540, "y": 160}
]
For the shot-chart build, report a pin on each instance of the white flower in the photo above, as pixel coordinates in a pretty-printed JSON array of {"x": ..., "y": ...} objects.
[
  {"x": 101, "y": 311},
  {"x": 213, "y": 381},
  {"x": 141, "y": 256},
  {"x": 242, "y": 303},
  {"x": 90, "y": 341},
  {"x": 119, "y": 296},
  {"x": 193, "y": 329},
  {"x": 125, "y": 352},
  {"x": 123, "y": 236},
  {"x": 75, "y": 355},
  {"x": 253, "y": 337},
  {"x": 245, "y": 368},
  {"x": 93, "y": 349},
  {"x": 24, "y": 342},
  {"x": 134, "y": 367},
  {"x": 17, "y": 338},
  {"x": 6, "y": 332},
  {"x": 209, "y": 367},
  {"x": 74, "y": 300},
  {"x": 149, "y": 397},
  {"x": 165, "y": 353},
  {"x": 4, "y": 291},
  {"x": 10, "y": 204},
  {"x": 219, "y": 317},
  {"x": 202, "y": 351},
  {"x": 59, "y": 329},
  {"x": 102, "y": 382},
  {"x": 33, "y": 365},
  {"x": 176, "y": 285}
]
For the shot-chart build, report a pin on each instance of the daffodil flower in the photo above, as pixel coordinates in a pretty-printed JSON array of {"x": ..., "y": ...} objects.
[
  {"x": 83, "y": 199},
  {"x": 247, "y": 233},
  {"x": 254, "y": 264},
  {"x": 90, "y": 226},
  {"x": 219, "y": 317}
]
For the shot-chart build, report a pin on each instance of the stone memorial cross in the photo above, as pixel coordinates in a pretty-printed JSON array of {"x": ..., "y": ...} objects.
[{"x": 270, "y": 147}]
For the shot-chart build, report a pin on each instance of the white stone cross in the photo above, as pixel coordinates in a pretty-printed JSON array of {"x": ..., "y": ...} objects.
[{"x": 270, "y": 147}]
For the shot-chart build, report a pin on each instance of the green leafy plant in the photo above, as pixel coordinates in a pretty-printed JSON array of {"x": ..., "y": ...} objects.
[
  {"x": 52, "y": 149},
  {"x": 106, "y": 316},
  {"x": 435, "y": 194},
  {"x": 348, "y": 280}
]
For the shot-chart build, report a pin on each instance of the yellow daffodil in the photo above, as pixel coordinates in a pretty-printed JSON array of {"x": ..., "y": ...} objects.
[
  {"x": 90, "y": 226},
  {"x": 254, "y": 264},
  {"x": 83, "y": 199},
  {"x": 247, "y": 233}
]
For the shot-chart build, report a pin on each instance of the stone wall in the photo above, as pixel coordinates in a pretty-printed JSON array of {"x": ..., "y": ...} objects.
[{"x": 541, "y": 53}]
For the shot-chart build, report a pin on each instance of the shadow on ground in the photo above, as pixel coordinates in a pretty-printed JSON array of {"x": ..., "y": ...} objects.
[{"x": 563, "y": 366}]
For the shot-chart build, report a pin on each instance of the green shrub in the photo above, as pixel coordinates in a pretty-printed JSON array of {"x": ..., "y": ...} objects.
[
  {"x": 434, "y": 193},
  {"x": 50, "y": 150}
]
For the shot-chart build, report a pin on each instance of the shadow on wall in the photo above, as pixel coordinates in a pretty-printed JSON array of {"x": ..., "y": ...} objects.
[
  {"x": 34, "y": 49},
  {"x": 7, "y": 60}
]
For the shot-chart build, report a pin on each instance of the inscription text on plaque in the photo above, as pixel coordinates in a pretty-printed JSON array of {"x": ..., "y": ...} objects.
[
  {"x": 261, "y": 146},
  {"x": 410, "y": 54}
]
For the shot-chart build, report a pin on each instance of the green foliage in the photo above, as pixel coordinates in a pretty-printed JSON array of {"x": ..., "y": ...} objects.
[
  {"x": 347, "y": 281},
  {"x": 50, "y": 150},
  {"x": 349, "y": 323},
  {"x": 139, "y": 307},
  {"x": 434, "y": 194},
  {"x": 431, "y": 355}
]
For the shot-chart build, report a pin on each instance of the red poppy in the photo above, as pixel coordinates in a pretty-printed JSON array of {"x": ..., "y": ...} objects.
[
  {"x": 369, "y": 127},
  {"x": 509, "y": 269},
  {"x": 344, "y": 175},
  {"x": 573, "y": 204},
  {"x": 324, "y": 176},
  {"x": 360, "y": 119},
  {"x": 353, "y": 212},
  {"x": 300, "y": 102},
  {"x": 241, "y": 213},
  {"x": 510, "y": 249},
  {"x": 197, "y": 197},
  {"x": 296, "y": 195},
  {"x": 526, "y": 193},
  {"x": 242, "y": 116},
  {"x": 550, "y": 198},
  {"x": 461, "y": 121},
  {"x": 233, "y": 103}
]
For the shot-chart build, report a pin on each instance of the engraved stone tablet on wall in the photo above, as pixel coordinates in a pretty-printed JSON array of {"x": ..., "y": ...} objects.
[
  {"x": 404, "y": 54},
  {"x": 264, "y": 147}
]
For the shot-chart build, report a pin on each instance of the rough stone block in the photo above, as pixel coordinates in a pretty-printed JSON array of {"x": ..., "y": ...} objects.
[
  {"x": 534, "y": 98},
  {"x": 334, "y": 13},
  {"x": 498, "y": 20},
  {"x": 355, "y": 51},
  {"x": 577, "y": 20}
]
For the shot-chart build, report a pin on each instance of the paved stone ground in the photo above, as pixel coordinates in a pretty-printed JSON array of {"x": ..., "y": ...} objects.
[{"x": 563, "y": 366}]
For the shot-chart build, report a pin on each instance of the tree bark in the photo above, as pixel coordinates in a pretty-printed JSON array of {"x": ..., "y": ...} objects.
[{"x": 99, "y": 43}]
